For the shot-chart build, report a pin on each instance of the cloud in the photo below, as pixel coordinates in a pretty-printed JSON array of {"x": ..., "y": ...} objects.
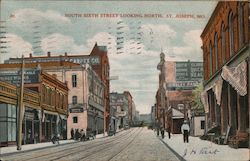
[
  {"x": 30, "y": 23},
  {"x": 58, "y": 43},
  {"x": 29, "y": 14},
  {"x": 16, "y": 47},
  {"x": 191, "y": 49},
  {"x": 103, "y": 39},
  {"x": 157, "y": 36}
]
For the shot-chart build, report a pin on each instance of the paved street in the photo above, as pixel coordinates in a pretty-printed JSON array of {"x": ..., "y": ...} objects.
[{"x": 132, "y": 144}]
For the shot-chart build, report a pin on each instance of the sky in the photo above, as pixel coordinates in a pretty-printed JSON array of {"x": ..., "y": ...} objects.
[{"x": 135, "y": 33}]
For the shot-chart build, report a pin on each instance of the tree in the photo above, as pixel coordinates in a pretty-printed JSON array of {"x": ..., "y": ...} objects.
[{"x": 196, "y": 99}]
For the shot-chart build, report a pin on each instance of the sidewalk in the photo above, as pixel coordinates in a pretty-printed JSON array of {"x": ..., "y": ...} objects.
[
  {"x": 28, "y": 147},
  {"x": 198, "y": 149}
]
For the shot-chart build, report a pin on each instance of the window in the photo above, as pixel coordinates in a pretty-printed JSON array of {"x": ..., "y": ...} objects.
[
  {"x": 231, "y": 34},
  {"x": 216, "y": 51},
  {"x": 202, "y": 124},
  {"x": 74, "y": 100},
  {"x": 49, "y": 96},
  {"x": 241, "y": 25},
  {"x": 210, "y": 59},
  {"x": 75, "y": 120},
  {"x": 223, "y": 44},
  {"x": 74, "y": 80},
  {"x": 8, "y": 117},
  {"x": 62, "y": 100}
]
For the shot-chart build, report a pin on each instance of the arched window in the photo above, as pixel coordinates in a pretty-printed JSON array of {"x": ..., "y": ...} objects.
[
  {"x": 241, "y": 25},
  {"x": 216, "y": 50},
  {"x": 231, "y": 34},
  {"x": 223, "y": 44},
  {"x": 210, "y": 59}
]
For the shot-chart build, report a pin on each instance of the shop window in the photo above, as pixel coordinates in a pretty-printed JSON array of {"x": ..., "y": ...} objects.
[
  {"x": 7, "y": 122},
  {"x": 75, "y": 120},
  {"x": 74, "y": 100},
  {"x": 74, "y": 80},
  {"x": 202, "y": 124}
]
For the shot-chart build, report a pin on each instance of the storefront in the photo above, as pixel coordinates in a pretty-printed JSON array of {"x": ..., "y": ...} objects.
[
  {"x": 31, "y": 126},
  {"x": 8, "y": 124}
]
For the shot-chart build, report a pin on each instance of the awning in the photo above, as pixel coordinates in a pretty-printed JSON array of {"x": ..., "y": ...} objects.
[
  {"x": 236, "y": 77},
  {"x": 204, "y": 100},
  {"x": 176, "y": 114},
  {"x": 62, "y": 117},
  {"x": 50, "y": 112},
  {"x": 217, "y": 88}
]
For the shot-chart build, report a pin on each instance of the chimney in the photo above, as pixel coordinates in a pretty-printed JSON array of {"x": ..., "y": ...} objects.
[
  {"x": 30, "y": 55},
  {"x": 48, "y": 54},
  {"x": 65, "y": 54}
]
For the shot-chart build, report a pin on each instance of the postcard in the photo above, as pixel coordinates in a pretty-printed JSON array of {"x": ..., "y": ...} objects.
[{"x": 124, "y": 80}]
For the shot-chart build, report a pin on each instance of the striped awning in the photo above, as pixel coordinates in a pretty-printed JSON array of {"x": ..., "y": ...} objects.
[{"x": 236, "y": 77}]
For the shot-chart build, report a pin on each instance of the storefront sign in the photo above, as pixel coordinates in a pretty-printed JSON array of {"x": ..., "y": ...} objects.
[
  {"x": 183, "y": 84},
  {"x": 189, "y": 71},
  {"x": 14, "y": 76},
  {"x": 76, "y": 110},
  {"x": 93, "y": 60}
]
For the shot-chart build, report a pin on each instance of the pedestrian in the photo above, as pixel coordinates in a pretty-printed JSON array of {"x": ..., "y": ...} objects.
[
  {"x": 77, "y": 135},
  {"x": 169, "y": 130},
  {"x": 72, "y": 133},
  {"x": 157, "y": 128},
  {"x": 162, "y": 132},
  {"x": 82, "y": 135},
  {"x": 185, "y": 131}
]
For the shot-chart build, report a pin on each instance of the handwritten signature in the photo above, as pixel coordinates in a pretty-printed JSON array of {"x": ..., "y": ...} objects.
[{"x": 202, "y": 151}]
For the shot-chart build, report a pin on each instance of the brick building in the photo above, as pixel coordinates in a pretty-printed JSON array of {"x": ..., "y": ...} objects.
[
  {"x": 226, "y": 71},
  {"x": 98, "y": 59},
  {"x": 46, "y": 104},
  {"x": 176, "y": 82},
  {"x": 130, "y": 105},
  {"x": 85, "y": 96}
]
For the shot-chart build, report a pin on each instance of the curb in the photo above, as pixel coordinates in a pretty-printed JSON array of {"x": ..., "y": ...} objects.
[
  {"x": 172, "y": 150},
  {"x": 29, "y": 150}
]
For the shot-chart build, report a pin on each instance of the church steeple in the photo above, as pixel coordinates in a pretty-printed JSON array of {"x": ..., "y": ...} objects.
[{"x": 162, "y": 60}]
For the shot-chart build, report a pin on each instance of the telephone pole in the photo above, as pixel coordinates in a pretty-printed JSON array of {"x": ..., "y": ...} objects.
[{"x": 21, "y": 108}]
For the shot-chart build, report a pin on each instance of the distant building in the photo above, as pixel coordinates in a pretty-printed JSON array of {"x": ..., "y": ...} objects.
[
  {"x": 146, "y": 118},
  {"x": 174, "y": 118},
  {"x": 197, "y": 123},
  {"x": 130, "y": 106},
  {"x": 153, "y": 109},
  {"x": 133, "y": 112},
  {"x": 119, "y": 110},
  {"x": 176, "y": 82}
]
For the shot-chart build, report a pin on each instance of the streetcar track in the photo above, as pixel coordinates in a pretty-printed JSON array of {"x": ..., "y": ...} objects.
[
  {"x": 100, "y": 148},
  {"x": 106, "y": 149},
  {"x": 124, "y": 147},
  {"x": 59, "y": 149},
  {"x": 81, "y": 147}
]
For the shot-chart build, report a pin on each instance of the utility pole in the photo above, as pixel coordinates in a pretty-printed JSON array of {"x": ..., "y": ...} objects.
[{"x": 21, "y": 108}]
